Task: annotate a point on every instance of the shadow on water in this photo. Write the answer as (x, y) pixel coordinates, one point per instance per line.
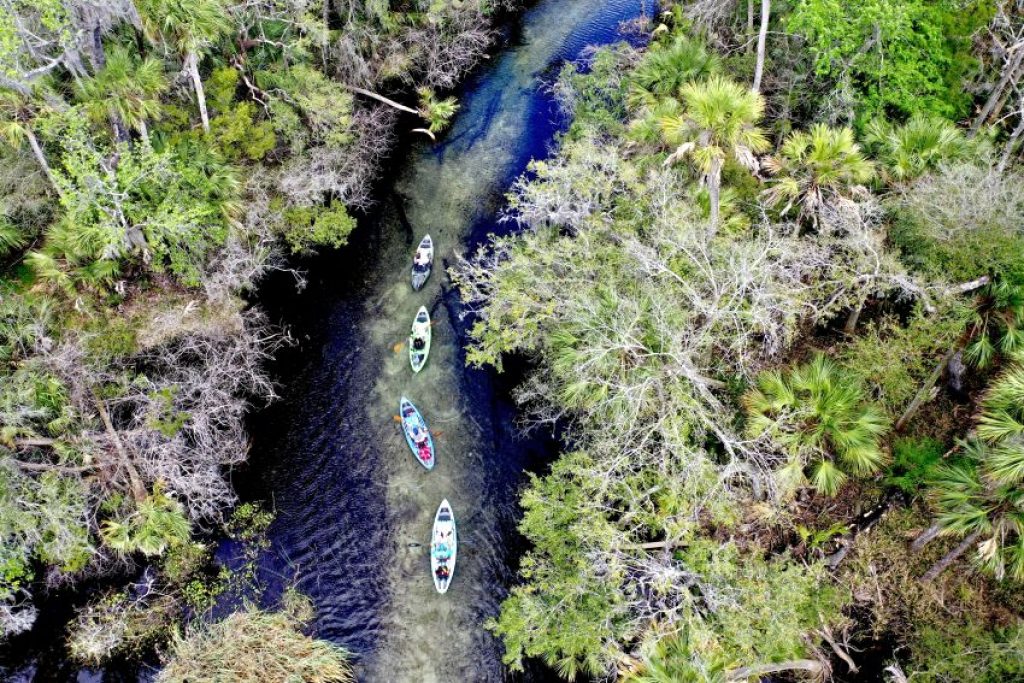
(353, 507)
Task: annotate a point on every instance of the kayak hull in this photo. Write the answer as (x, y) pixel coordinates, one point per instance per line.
(444, 547)
(420, 330)
(421, 274)
(413, 424)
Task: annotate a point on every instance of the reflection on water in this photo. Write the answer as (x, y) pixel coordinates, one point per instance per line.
(354, 507)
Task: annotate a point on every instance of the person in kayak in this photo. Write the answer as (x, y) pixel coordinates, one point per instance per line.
(418, 344)
(442, 553)
(443, 573)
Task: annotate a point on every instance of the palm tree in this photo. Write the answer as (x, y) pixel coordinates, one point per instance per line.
(17, 114)
(1003, 408)
(985, 513)
(666, 68)
(437, 113)
(126, 92)
(718, 122)
(918, 146)
(997, 319)
(819, 417)
(673, 660)
(814, 169)
(158, 522)
(190, 27)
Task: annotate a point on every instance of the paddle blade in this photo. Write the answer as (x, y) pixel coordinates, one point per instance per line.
(396, 418)
(397, 348)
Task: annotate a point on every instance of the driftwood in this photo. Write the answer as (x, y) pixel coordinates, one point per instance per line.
(925, 391)
(950, 557)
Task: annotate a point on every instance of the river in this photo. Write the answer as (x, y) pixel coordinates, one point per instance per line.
(354, 509)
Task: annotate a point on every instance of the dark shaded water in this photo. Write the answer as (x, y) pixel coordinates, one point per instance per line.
(353, 507)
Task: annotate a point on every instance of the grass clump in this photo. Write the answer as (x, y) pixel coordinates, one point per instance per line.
(257, 645)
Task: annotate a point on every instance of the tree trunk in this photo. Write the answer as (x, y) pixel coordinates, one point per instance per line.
(925, 537)
(750, 22)
(714, 192)
(138, 488)
(950, 557)
(192, 64)
(762, 36)
(746, 672)
(925, 390)
(1011, 144)
(381, 98)
(96, 54)
(144, 133)
(851, 321)
(37, 150)
(1011, 68)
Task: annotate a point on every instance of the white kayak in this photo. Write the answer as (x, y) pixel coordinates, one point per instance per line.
(444, 547)
(419, 339)
(422, 262)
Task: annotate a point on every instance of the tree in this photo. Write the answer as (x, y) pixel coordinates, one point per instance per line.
(667, 67)
(762, 36)
(815, 169)
(190, 27)
(820, 418)
(126, 92)
(899, 57)
(156, 523)
(982, 512)
(908, 151)
(18, 113)
(718, 123)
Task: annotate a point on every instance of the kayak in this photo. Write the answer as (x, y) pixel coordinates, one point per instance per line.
(444, 547)
(417, 435)
(419, 339)
(422, 262)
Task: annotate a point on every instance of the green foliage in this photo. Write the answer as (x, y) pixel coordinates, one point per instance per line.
(962, 222)
(815, 169)
(240, 135)
(566, 612)
(156, 523)
(996, 325)
(321, 109)
(666, 67)
(900, 57)
(914, 462)
(169, 209)
(318, 226)
(893, 358)
(674, 659)
(969, 653)
(916, 147)
(126, 91)
(819, 416)
(1003, 407)
(969, 501)
(437, 112)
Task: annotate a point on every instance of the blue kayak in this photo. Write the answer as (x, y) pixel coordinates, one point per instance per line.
(417, 434)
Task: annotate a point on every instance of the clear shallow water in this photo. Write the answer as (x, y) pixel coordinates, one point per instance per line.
(354, 509)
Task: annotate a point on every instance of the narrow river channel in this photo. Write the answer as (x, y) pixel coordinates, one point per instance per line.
(354, 509)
